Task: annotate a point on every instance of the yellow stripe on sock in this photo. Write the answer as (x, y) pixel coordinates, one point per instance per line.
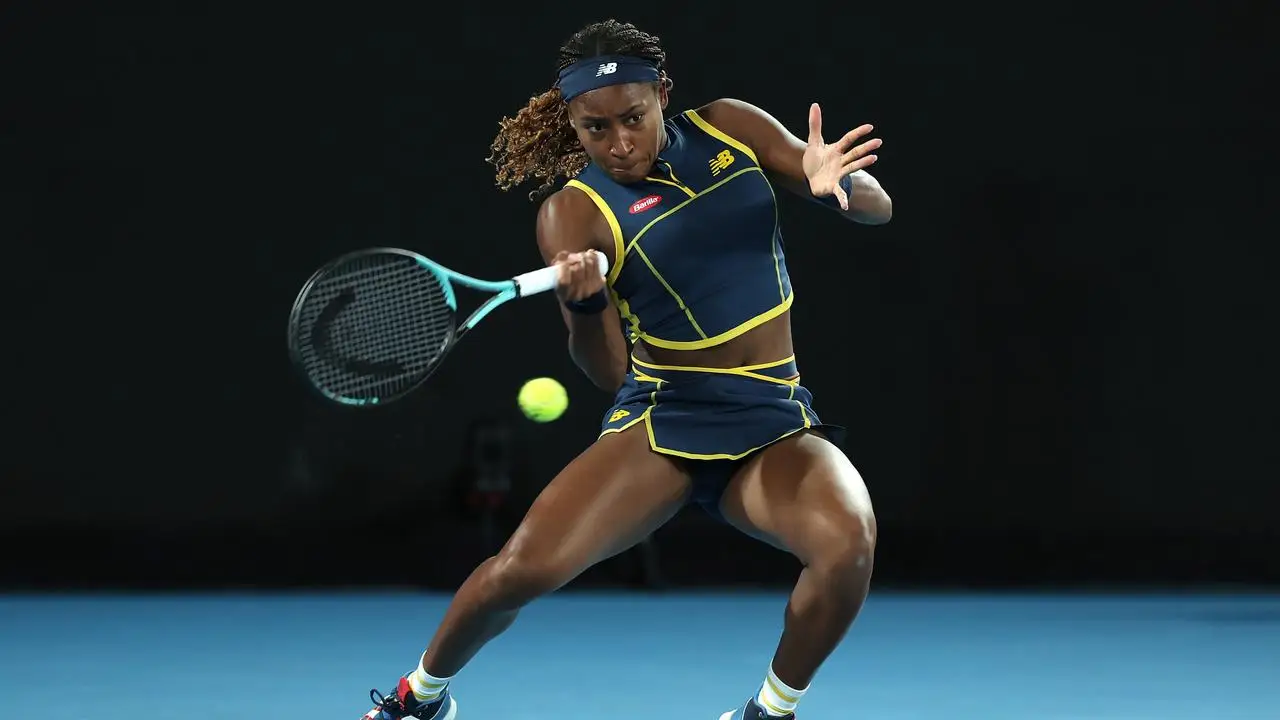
(770, 706)
(781, 693)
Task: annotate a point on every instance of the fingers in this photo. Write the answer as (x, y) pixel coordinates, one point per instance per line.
(582, 262)
(863, 149)
(578, 276)
(859, 157)
(852, 136)
(571, 262)
(861, 163)
(564, 271)
(842, 197)
(815, 125)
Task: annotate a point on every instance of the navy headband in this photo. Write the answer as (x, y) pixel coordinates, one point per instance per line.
(597, 72)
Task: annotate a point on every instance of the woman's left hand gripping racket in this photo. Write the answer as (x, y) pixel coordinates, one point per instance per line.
(371, 326)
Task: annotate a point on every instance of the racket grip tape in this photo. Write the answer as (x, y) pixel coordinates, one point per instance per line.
(540, 281)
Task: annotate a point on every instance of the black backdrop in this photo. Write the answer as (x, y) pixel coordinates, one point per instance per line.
(1055, 363)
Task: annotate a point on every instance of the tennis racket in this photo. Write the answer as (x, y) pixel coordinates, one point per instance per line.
(371, 326)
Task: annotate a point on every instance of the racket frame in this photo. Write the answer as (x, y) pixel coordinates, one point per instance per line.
(503, 291)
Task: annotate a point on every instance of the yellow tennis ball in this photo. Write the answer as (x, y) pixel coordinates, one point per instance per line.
(543, 399)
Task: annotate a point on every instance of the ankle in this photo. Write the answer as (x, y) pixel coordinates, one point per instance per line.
(777, 698)
(427, 688)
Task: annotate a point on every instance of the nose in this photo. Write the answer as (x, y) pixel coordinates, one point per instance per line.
(621, 147)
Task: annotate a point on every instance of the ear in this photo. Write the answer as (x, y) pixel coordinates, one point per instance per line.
(664, 87)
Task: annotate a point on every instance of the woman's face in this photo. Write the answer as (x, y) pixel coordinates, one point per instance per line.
(620, 127)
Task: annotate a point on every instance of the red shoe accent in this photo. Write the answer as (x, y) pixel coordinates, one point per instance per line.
(404, 691)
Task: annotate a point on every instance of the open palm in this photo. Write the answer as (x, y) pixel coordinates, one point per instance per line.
(824, 165)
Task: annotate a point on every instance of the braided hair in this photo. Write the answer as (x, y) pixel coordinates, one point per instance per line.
(538, 143)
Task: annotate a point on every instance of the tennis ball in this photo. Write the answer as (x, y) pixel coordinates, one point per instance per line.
(543, 399)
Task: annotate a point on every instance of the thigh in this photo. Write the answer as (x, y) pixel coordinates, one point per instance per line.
(801, 495)
(609, 498)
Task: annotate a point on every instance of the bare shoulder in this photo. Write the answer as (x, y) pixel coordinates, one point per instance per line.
(726, 108)
(737, 117)
(568, 221)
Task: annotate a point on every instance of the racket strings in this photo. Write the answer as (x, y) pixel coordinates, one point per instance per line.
(393, 323)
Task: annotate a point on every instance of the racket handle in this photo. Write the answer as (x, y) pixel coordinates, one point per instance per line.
(540, 281)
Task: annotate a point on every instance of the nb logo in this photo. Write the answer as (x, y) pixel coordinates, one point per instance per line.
(721, 161)
(607, 69)
(618, 415)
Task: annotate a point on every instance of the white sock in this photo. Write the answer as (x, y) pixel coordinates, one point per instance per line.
(777, 698)
(426, 687)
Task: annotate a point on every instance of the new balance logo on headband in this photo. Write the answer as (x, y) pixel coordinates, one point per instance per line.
(597, 72)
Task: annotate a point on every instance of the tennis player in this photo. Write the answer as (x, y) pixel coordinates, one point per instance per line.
(709, 407)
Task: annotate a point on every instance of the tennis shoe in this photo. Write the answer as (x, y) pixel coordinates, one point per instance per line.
(752, 711)
(403, 704)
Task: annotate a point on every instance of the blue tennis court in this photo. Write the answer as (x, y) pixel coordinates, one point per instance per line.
(987, 657)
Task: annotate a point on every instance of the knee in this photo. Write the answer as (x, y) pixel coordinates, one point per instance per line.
(514, 578)
(844, 548)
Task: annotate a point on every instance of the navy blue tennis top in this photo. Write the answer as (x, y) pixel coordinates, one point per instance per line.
(698, 249)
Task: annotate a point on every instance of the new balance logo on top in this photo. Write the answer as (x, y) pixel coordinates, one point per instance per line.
(607, 69)
(721, 161)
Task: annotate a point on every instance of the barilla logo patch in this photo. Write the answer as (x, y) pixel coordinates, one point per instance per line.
(645, 203)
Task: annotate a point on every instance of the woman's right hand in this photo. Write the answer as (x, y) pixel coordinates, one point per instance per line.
(579, 275)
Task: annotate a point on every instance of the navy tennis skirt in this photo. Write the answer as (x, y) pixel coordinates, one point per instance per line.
(714, 419)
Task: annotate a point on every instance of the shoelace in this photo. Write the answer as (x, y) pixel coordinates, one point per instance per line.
(390, 705)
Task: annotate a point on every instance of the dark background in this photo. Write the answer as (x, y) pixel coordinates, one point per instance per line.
(1056, 363)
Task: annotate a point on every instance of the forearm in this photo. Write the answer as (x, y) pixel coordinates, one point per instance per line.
(869, 204)
(599, 352)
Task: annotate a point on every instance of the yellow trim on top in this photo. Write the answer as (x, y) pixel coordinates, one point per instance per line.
(725, 336)
(633, 245)
(687, 191)
(624, 310)
(720, 135)
(674, 295)
(623, 247)
(635, 239)
(618, 244)
(773, 241)
(678, 182)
